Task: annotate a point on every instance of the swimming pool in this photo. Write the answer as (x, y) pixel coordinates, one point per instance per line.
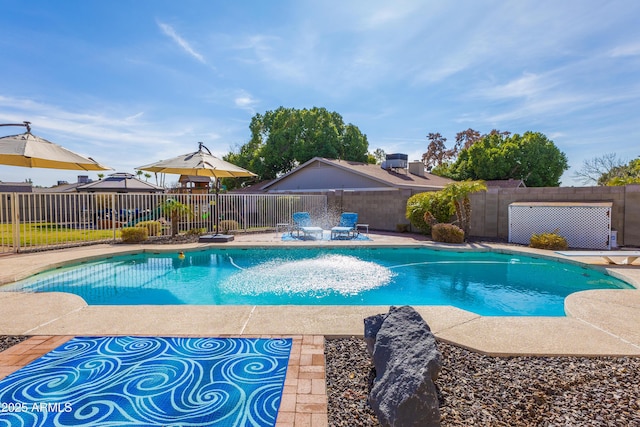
(486, 283)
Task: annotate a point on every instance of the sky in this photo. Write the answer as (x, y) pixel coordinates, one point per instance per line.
(131, 82)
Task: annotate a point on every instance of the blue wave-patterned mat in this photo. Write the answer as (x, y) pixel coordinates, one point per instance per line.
(134, 381)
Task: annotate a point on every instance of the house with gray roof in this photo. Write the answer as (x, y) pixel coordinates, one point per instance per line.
(16, 187)
(321, 174)
(120, 183)
(505, 183)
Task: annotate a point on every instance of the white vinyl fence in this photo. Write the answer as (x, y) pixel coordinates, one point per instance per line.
(38, 221)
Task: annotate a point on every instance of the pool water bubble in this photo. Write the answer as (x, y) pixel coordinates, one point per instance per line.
(342, 274)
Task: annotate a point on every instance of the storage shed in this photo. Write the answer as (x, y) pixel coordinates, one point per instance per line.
(585, 225)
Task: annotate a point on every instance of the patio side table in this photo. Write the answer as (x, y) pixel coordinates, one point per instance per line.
(281, 227)
(363, 226)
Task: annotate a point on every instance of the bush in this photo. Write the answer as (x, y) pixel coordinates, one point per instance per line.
(421, 203)
(229, 224)
(552, 241)
(196, 232)
(154, 228)
(134, 234)
(447, 233)
(402, 228)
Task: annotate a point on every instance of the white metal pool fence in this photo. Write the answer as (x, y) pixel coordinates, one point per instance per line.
(37, 221)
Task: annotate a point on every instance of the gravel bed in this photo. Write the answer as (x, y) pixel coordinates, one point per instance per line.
(497, 391)
(7, 341)
(490, 391)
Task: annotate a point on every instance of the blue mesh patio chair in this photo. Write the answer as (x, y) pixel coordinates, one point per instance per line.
(347, 227)
(302, 224)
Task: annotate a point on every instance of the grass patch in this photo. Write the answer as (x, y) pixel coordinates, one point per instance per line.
(39, 234)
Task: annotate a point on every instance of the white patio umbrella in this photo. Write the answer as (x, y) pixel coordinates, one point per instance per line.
(200, 163)
(31, 151)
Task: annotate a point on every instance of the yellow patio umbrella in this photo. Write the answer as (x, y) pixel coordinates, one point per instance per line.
(201, 163)
(31, 151)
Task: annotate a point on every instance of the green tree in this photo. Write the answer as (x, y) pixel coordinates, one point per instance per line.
(354, 143)
(438, 157)
(378, 156)
(622, 175)
(287, 137)
(425, 209)
(531, 157)
(175, 211)
(458, 195)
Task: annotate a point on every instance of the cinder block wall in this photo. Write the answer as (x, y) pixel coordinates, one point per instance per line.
(385, 210)
(490, 217)
(382, 210)
(631, 215)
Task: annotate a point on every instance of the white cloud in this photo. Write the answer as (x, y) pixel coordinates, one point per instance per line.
(632, 49)
(169, 31)
(281, 59)
(134, 117)
(389, 13)
(439, 72)
(533, 110)
(245, 101)
(529, 85)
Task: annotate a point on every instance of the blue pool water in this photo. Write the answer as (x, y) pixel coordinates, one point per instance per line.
(485, 283)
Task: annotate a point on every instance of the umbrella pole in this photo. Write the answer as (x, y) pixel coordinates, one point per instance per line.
(217, 206)
(217, 237)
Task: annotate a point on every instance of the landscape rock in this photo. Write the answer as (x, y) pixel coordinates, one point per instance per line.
(371, 327)
(407, 362)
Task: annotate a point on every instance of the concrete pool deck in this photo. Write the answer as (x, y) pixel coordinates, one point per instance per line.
(598, 323)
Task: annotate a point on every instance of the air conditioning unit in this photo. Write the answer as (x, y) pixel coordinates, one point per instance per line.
(395, 161)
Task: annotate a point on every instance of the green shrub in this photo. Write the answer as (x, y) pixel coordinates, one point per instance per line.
(196, 232)
(447, 233)
(421, 203)
(134, 234)
(402, 228)
(553, 241)
(229, 224)
(154, 228)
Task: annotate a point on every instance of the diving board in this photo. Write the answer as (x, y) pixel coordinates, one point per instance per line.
(629, 256)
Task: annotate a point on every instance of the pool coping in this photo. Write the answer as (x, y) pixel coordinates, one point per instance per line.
(598, 323)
